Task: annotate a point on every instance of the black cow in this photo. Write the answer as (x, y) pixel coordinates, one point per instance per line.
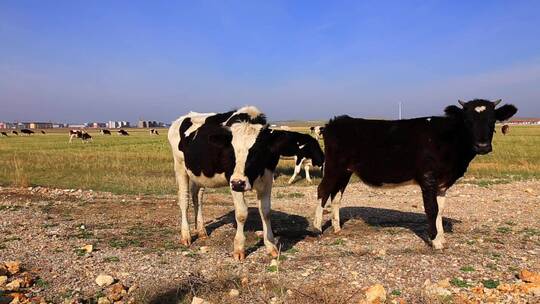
(105, 132)
(85, 137)
(433, 152)
(43, 132)
(235, 148)
(305, 149)
(27, 131)
(74, 134)
(4, 134)
(122, 132)
(15, 132)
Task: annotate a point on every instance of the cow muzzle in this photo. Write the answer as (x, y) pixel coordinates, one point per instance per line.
(239, 185)
(482, 148)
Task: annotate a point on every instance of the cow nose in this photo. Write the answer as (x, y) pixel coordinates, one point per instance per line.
(482, 148)
(238, 185)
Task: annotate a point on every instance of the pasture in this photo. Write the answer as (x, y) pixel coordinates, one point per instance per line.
(142, 164)
(131, 220)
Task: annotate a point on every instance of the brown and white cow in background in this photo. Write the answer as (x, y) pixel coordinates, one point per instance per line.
(433, 152)
(235, 148)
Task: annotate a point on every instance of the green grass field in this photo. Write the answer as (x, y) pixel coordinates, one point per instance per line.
(142, 164)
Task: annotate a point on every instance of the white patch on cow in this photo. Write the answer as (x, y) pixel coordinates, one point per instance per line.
(244, 135)
(302, 146)
(218, 180)
(438, 241)
(480, 109)
(252, 111)
(428, 119)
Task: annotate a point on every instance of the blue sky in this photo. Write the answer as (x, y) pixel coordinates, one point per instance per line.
(100, 60)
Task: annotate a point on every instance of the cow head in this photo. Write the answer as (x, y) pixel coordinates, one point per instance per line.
(245, 126)
(312, 150)
(479, 117)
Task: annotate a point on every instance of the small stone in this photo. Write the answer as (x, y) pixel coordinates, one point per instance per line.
(3, 280)
(14, 285)
(116, 292)
(529, 276)
(88, 248)
(244, 281)
(104, 280)
(375, 293)
(197, 300)
(529, 190)
(13, 266)
(103, 300)
(234, 293)
(274, 262)
(204, 249)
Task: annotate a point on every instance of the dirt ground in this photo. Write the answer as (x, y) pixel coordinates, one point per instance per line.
(492, 233)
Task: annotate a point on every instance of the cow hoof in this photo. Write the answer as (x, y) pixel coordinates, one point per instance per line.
(337, 230)
(274, 253)
(202, 234)
(186, 242)
(437, 244)
(239, 256)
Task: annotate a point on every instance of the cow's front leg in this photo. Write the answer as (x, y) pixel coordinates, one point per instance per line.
(264, 194)
(183, 201)
(241, 213)
(434, 215)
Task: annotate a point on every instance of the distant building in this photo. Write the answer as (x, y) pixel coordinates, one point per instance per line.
(149, 124)
(40, 125)
(7, 125)
(118, 124)
(59, 125)
(96, 125)
(76, 126)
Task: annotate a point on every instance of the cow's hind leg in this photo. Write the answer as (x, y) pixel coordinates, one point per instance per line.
(434, 207)
(183, 200)
(297, 168)
(333, 182)
(197, 194)
(306, 168)
(264, 195)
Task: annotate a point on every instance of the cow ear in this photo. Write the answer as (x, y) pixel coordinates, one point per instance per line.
(220, 140)
(453, 111)
(505, 112)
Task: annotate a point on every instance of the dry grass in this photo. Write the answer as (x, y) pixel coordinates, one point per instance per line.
(142, 164)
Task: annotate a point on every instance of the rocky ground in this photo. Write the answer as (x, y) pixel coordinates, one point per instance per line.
(86, 247)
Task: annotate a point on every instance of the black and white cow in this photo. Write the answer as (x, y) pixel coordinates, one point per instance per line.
(4, 134)
(105, 132)
(43, 132)
(154, 132)
(235, 148)
(85, 137)
(74, 134)
(306, 151)
(317, 131)
(432, 152)
(27, 132)
(122, 132)
(15, 132)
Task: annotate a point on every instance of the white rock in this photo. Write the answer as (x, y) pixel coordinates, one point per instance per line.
(204, 249)
(234, 293)
(104, 280)
(197, 300)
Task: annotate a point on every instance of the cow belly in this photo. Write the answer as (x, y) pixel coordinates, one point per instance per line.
(217, 180)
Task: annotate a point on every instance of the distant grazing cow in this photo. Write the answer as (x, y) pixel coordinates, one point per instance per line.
(74, 134)
(27, 131)
(4, 134)
(317, 131)
(43, 132)
(85, 137)
(105, 132)
(122, 132)
(505, 129)
(154, 132)
(305, 149)
(15, 132)
(432, 152)
(235, 148)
